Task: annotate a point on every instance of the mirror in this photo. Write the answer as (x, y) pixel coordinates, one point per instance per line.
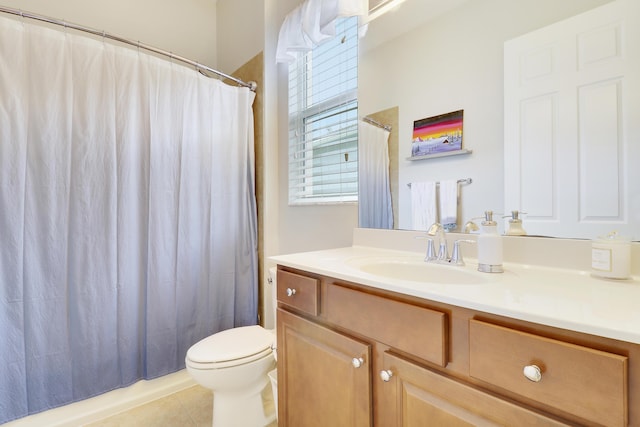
(431, 57)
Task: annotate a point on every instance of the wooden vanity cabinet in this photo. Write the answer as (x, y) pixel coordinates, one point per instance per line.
(358, 356)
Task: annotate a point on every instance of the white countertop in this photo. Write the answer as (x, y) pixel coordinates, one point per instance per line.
(562, 298)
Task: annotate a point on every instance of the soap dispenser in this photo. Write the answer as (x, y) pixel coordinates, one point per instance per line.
(489, 246)
(515, 225)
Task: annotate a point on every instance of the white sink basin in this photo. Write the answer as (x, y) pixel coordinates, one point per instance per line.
(416, 270)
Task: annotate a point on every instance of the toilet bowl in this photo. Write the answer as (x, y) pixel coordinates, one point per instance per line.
(234, 364)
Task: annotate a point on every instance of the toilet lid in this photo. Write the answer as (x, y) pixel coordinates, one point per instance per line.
(232, 344)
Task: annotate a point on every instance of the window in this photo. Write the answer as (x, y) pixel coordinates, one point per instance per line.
(323, 120)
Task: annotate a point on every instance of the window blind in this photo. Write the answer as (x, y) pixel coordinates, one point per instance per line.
(323, 120)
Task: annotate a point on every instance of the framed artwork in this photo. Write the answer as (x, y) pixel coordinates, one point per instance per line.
(438, 134)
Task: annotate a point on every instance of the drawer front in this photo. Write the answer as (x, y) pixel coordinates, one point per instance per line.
(409, 328)
(298, 292)
(581, 381)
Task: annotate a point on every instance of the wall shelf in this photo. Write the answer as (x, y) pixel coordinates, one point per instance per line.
(436, 155)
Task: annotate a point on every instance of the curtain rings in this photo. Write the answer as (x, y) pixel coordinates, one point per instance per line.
(200, 69)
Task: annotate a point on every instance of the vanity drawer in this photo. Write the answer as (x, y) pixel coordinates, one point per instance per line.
(584, 382)
(298, 292)
(409, 328)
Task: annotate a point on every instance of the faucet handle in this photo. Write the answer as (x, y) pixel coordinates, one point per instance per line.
(456, 255)
(431, 251)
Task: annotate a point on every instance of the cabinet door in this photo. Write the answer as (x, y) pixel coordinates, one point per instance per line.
(319, 382)
(412, 396)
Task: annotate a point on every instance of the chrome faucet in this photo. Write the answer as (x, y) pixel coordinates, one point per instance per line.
(456, 255)
(437, 230)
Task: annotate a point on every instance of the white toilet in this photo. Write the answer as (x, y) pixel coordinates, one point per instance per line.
(234, 364)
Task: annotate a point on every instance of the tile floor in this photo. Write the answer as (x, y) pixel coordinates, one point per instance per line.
(191, 407)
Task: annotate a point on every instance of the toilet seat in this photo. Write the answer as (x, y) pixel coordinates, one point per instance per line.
(231, 347)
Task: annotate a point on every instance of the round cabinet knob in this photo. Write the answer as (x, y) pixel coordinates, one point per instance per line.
(386, 375)
(357, 362)
(291, 292)
(532, 373)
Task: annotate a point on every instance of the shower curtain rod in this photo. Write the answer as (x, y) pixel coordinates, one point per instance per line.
(199, 67)
(376, 123)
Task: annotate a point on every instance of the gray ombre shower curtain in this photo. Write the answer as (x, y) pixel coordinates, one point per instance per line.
(127, 215)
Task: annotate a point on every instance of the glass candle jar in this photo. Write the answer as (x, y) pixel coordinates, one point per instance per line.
(611, 256)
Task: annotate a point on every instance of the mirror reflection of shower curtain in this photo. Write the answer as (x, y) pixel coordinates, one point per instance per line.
(374, 193)
(127, 215)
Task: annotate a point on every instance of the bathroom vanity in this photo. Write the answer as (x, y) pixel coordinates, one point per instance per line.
(533, 346)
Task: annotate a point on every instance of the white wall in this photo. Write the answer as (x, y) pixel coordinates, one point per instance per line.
(453, 63)
(241, 28)
(245, 28)
(186, 28)
(304, 228)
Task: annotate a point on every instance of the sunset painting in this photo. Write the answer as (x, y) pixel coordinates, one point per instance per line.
(437, 134)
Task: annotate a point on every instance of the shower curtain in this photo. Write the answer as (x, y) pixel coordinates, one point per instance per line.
(374, 191)
(127, 215)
